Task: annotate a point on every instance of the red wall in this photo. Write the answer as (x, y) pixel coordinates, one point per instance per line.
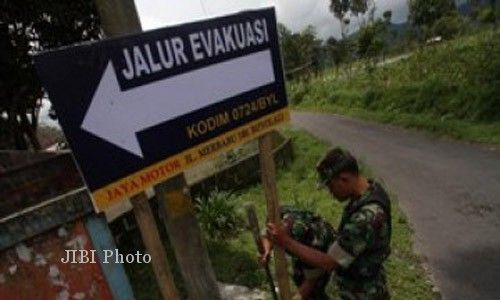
(25, 272)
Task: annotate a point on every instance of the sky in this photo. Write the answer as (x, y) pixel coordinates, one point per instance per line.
(295, 14)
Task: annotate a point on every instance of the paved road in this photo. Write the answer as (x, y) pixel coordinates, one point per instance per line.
(449, 190)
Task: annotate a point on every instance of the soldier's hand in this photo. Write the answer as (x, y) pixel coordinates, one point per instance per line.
(278, 235)
(264, 257)
(265, 251)
(297, 296)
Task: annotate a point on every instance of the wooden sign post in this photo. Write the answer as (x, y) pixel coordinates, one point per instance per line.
(119, 17)
(268, 175)
(150, 236)
(185, 237)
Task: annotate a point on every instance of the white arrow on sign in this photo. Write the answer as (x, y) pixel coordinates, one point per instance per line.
(117, 116)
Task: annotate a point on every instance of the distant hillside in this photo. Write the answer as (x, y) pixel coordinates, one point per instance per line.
(397, 31)
(452, 87)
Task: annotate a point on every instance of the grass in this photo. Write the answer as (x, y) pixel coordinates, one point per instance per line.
(234, 259)
(450, 89)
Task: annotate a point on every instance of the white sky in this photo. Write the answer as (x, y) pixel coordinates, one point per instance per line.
(295, 14)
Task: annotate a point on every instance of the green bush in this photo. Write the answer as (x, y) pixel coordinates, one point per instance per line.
(447, 26)
(371, 97)
(298, 92)
(487, 15)
(218, 215)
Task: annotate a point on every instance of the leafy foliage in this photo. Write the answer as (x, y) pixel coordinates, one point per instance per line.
(448, 26)
(218, 215)
(26, 28)
(339, 9)
(425, 13)
(339, 51)
(299, 50)
(371, 39)
(487, 15)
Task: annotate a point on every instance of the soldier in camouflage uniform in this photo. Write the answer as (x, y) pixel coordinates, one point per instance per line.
(308, 229)
(363, 244)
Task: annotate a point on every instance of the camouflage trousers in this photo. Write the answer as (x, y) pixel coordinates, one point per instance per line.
(349, 289)
(319, 290)
(364, 289)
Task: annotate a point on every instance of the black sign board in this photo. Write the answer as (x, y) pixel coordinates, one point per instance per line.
(139, 109)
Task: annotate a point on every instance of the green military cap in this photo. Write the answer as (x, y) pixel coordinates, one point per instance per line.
(335, 161)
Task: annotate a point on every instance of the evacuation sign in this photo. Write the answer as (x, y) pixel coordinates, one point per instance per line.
(142, 108)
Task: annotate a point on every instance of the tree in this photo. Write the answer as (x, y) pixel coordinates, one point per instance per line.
(371, 40)
(493, 7)
(475, 7)
(337, 50)
(425, 13)
(358, 8)
(366, 37)
(487, 16)
(447, 26)
(300, 50)
(339, 9)
(484, 15)
(387, 16)
(26, 28)
(363, 10)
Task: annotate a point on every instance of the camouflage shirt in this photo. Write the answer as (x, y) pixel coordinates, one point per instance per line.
(311, 230)
(363, 246)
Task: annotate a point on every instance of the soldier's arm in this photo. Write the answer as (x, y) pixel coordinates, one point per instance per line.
(310, 256)
(265, 250)
(356, 235)
(267, 244)
(306, 288)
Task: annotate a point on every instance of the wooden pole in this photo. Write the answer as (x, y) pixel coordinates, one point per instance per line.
(268, 175)
(119, 17)
(150, 236)
(185, 237)
(253, 223)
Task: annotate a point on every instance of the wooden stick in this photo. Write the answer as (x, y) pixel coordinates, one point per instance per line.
(185, 237)
(268, 175)
(118, 17)
(152, 241)
(253, 224)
